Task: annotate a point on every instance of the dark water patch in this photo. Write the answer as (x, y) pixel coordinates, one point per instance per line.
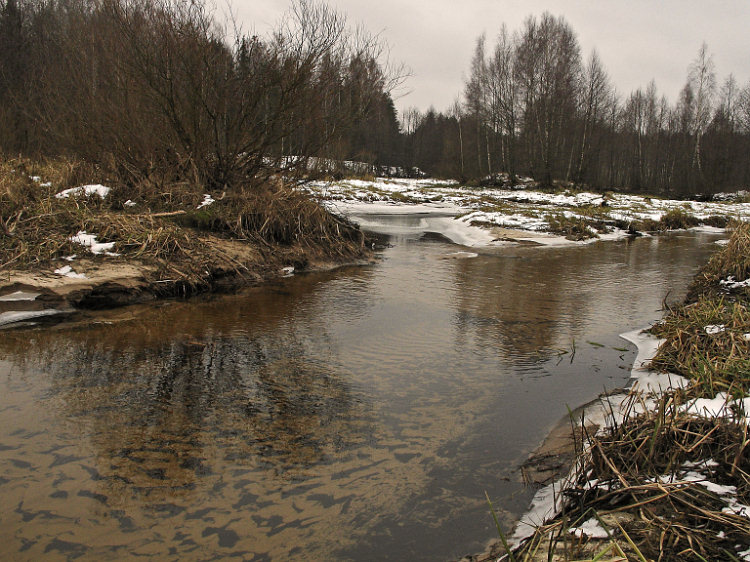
(126, 523)
(245, 500)
(21, 464)
(101, 498)
(227, 537)
(405, 457)
(155, 473)
(200, 514)
(197, 465)
(26, 544)
(167, 509)
(71, 550)
(64, 459)
(43, 514)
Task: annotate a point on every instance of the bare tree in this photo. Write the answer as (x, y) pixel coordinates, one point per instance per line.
(548, 68)
(702, 80)
(596, 90)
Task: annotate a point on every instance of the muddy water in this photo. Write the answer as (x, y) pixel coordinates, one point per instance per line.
(359, 414)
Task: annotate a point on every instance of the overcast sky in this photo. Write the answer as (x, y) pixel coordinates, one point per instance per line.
(637, 40)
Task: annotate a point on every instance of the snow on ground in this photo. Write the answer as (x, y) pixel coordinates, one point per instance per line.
(591, 528)
(89, 241)
(87, 190)
(420, 219)
(207, 200)
(67, 271)
(525, 210)
(731, 283)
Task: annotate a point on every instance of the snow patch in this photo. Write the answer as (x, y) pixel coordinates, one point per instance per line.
(67, 271)
(718, 407)
(713, 329)
(730, 283)
(87, 190)
(207, 200)
(96, 248)
(591, 529)
(459, 256)
(644, 379)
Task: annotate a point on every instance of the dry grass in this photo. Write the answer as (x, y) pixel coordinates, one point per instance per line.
(636, 480)
(574, 228)
(706, 338)
(164, 228)
(733, 260)
(716, 362)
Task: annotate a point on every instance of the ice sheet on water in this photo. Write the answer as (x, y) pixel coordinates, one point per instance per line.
(13, 317)
(19, 296)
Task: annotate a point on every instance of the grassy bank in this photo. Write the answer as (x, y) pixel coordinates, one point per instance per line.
(669, 477)
(182, 238)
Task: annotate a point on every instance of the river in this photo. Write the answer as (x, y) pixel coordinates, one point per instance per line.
(357, 414)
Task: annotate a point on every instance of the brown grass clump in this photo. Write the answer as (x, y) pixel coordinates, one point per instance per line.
(706, 342)
(282, 216)
(708, 338)
(733, 260)
(643, 481)
(674, 219)
(36, 226)
(162, 224)
(573, 228)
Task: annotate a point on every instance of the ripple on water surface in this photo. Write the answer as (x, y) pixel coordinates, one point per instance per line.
(355, 414)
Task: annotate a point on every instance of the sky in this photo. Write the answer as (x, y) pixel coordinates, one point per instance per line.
(637, 40)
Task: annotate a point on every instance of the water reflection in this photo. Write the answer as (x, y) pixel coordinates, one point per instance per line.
(532, 301)
(357, 414)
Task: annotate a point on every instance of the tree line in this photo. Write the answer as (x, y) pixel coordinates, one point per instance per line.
(533, 106)
(162, 89)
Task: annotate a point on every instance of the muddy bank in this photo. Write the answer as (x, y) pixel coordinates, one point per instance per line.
(103, 282)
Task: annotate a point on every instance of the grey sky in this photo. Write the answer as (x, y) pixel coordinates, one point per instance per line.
(637, 40)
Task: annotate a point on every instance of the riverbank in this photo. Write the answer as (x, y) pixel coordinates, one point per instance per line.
(477, 216)
(667, 474)
(73, 244)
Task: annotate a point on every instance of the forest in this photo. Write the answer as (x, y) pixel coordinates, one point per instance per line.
(533, 106)
(165, 89)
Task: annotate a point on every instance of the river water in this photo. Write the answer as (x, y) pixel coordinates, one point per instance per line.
(358, 414)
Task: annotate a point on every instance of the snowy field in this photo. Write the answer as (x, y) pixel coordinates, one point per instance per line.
(476, 213)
